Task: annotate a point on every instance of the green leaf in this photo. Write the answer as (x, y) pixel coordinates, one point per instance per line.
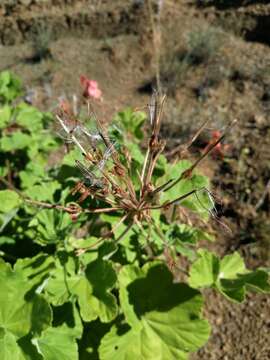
(204, 271)
(9, 349)
(101, 275)
(51, 226)
(91, 288)
(231, 266)
(164, 317)
(33, 174)
(229, 275)
(160, 167)
(18, 312)
(6, 218)
(42, 143)
(131, 122)
(5, 114)
(88, 346)
(9, 200)
(16, 141)
(62, 282)
(68, 315)
(74, 154)
(185, 234)
(257, 281)
(44, 191)
(29, 117)
(3, 171)
(35, 270)
(135, 152)
(57, 343)
(29, 351)
(6, 240)
(10, 86)
(41, 316)
(199, 202)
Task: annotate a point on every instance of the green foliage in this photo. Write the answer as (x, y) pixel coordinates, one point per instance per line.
(203, 44)
(228, 275)
(152, 305)
(67, 293)
(10, 87)
(42, 37)
(129, 122)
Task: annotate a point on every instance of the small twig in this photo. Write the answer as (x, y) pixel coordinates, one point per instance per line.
(262, 198)
(103, 210)
(120, 237)
(187, 173)
(83, 250)
(9, 174)
(167, 204)
(46, 205)
(155, 146)
(190, 142)
(156, 30)
(73, 137)
(11, 187)
(50, 206)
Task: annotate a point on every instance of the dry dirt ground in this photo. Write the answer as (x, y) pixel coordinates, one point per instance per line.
(112, 42)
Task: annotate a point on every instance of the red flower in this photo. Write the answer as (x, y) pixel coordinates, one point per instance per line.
(90, 88)
(220, 149)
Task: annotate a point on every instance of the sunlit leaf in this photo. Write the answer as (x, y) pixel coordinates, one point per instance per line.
(29, 117)
(5, 114)
(9, 348)
(9, 200)
(20, 313)
(51, 226)
(16, 141)
(91, 288)
(163, 317)
(229, 275)
(44, 191)
(57, 343)
(10, 86)
(199, 202)
(204, 271)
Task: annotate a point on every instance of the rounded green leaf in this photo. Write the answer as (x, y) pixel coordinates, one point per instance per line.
(164, 318)
(10, 86)
(228, 275)
(15, 141)
(204, 271)
(9, 349)
(15, 311)
(91, 288)
(231, 266)
(21, 310)
(29, 118)
(9, 200)
(57, 343)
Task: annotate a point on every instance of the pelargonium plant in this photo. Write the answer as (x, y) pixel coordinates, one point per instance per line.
(120, 268)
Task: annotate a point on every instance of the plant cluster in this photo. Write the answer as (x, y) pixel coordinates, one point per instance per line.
(90, 254)
(41, 37)
(201, 46)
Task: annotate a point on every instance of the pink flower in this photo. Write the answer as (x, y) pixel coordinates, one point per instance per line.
(90, 88)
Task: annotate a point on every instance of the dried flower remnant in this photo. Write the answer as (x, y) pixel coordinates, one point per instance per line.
(106, 171)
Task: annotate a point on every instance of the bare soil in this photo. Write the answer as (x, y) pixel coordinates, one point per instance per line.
(111, 42)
